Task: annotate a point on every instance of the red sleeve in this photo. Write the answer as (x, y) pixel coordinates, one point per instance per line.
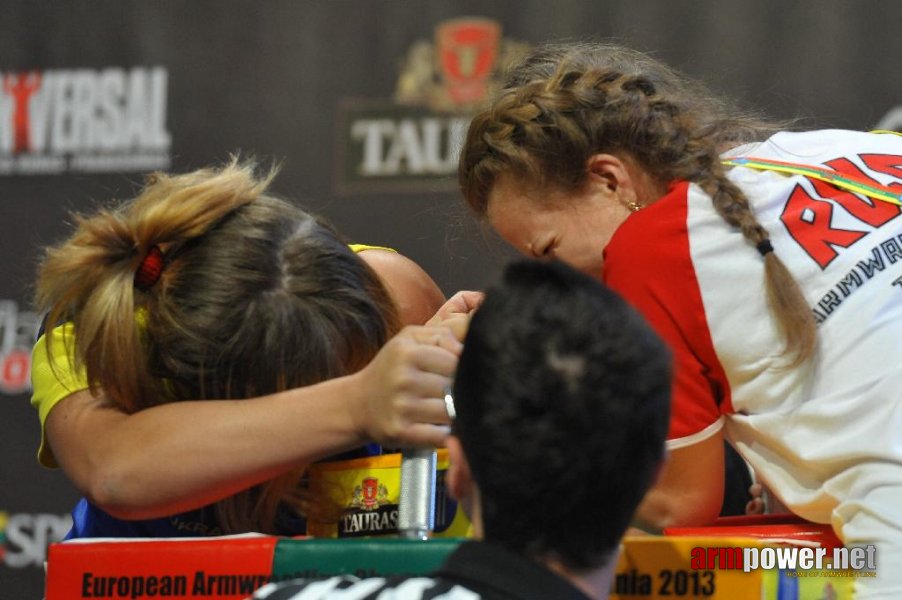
(648, 262)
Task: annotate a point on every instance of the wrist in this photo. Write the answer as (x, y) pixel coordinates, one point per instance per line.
(352, 393)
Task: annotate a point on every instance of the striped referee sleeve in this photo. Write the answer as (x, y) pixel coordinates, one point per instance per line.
(351, 588)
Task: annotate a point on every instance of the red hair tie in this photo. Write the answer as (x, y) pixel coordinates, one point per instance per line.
(149, 270)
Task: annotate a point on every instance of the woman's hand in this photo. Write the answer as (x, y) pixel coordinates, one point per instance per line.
(455, 314)
(401, 401)
(182, 455)
(461, 303)
(756, 506)
(403, 388)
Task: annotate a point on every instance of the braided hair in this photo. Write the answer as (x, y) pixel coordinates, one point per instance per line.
(566, 102)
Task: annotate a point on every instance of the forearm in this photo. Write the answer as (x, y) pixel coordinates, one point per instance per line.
(689, 489)
(183, 455)
(665, 508)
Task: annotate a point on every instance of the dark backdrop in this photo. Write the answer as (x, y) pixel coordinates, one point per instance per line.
(114, 88)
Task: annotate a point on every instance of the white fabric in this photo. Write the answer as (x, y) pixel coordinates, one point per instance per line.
(827, 438)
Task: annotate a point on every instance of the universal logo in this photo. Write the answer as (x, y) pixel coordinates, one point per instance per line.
(411, 144)
(83, 120)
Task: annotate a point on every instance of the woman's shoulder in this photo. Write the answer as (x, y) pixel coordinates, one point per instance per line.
(818, 146)
(414, 292)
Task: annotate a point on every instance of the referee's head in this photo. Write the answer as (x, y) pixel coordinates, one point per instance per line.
(562, 400)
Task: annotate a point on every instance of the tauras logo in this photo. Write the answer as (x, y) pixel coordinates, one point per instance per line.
(357, 523)
(369, 512)
(59, 120)
(411, 143)
(408, 145)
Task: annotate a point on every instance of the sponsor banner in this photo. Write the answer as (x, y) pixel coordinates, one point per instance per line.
(672, 566)
(18, 329)
(232, 567)
(225, 568)
(390, 148)
(660, 567)
(24, 538)
(411, 143)
(373, 557)
(83, 121)
(365, 492)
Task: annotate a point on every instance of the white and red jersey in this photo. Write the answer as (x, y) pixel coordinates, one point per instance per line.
(822, 434)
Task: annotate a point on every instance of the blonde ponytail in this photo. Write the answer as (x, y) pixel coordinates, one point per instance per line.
(88, 280)
(256, 296)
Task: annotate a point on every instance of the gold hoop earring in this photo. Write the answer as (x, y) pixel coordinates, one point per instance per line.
(633, 206)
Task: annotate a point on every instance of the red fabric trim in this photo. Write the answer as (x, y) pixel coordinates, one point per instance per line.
(648, 262)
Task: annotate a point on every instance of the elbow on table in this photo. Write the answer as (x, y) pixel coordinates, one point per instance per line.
(111, 490)
(662, 509)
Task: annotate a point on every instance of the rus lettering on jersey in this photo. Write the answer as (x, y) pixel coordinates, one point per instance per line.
(423, 146)
(811, 218)
(75, 111)
(810, 222)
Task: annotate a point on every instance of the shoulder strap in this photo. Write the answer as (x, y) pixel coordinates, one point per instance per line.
(835, 178)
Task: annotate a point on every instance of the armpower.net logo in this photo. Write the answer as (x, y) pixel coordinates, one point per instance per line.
(854, 561)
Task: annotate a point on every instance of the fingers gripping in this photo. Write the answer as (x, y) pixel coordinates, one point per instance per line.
(417, 369)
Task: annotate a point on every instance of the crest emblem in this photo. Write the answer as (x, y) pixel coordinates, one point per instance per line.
(467, 51)
(369, 495)
(460, 68)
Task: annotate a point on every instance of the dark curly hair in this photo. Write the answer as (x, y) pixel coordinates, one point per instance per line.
(562, 397)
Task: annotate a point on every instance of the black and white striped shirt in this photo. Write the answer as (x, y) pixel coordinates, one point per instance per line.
(348, 587)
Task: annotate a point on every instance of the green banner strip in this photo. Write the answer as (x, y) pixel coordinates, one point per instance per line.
(309, 558)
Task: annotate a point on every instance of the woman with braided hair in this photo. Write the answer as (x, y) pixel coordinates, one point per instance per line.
(206, 341)
(771, 261)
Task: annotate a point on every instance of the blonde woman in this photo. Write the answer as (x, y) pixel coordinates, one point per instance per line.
(206, 341)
